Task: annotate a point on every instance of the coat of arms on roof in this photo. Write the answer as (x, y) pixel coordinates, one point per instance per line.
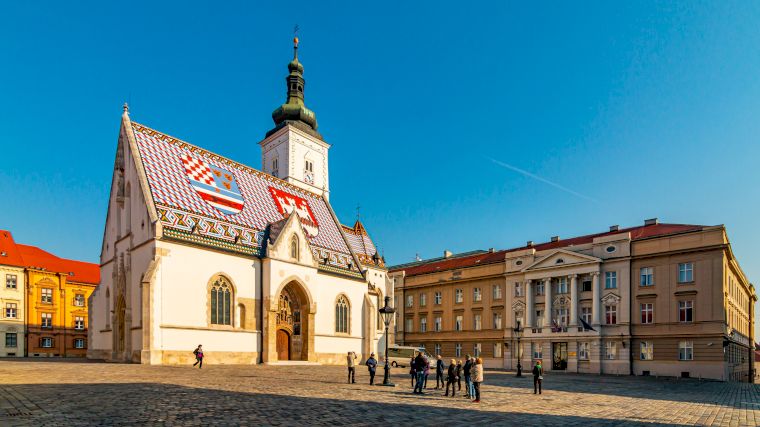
(288, 203)
(215, 185)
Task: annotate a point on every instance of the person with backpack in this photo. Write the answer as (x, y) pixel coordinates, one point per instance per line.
(198, 352)
(439, 372)
(538, 377)
(372, 366)
(476, 376)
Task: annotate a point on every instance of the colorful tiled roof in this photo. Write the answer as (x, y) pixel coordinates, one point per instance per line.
(33, 257)
(182, 194)
(362, 244)
(637, 233)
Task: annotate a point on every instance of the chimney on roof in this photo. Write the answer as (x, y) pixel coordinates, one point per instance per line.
(447, 253)
(651, 221)
(614, 228)
(555, 238)
(529, 244)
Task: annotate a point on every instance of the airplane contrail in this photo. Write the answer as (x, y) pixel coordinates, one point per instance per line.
(544, 180)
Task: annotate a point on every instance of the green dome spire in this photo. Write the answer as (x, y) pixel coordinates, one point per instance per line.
(293, 111)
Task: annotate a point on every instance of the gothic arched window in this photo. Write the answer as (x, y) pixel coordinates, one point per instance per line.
(341, 315)
(221, 302)
(294, 248)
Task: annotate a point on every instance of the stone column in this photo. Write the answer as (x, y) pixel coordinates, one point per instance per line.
(573, 300)
(529, 307)
(595, 305)
(548, 303)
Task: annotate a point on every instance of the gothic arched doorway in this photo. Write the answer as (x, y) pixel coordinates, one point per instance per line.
(289, 324)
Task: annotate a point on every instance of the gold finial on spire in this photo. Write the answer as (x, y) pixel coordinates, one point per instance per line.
(126, 108)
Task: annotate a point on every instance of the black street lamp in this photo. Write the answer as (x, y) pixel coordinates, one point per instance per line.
(518, 334)
(387, 313)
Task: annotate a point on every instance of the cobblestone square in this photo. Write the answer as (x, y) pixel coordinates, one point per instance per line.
(72, 393)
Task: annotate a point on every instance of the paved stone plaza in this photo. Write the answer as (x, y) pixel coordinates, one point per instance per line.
(70, 393)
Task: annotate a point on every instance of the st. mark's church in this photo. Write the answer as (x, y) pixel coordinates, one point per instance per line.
(254, 265)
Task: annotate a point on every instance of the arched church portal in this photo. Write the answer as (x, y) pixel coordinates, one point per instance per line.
(290, 325)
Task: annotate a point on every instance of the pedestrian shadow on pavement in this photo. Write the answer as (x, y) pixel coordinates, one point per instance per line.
(155, 403)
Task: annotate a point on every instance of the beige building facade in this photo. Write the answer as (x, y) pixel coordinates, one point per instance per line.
(658, 299)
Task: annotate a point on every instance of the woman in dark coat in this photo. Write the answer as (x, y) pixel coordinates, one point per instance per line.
(452, 379)
(459, 374)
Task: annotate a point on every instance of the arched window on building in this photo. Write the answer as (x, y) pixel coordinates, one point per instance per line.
(221, 301)
(108, 307)
(294, 247)
(341, 315)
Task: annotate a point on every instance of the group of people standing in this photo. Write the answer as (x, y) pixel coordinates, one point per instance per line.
(472, 370)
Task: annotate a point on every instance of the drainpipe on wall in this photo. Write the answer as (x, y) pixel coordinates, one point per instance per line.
(260, 316)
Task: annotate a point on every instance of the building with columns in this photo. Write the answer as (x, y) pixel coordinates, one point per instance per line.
(656, 299)
(252, 264)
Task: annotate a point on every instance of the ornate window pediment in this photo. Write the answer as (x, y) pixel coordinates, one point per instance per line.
(561, 301)
(518, 306)
(611, 299)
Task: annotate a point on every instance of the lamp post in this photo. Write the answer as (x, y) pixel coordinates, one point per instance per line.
(387, 313)
(518, 334)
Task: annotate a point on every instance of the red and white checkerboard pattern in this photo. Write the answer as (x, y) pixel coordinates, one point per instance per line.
(198, 170)
(163, 158)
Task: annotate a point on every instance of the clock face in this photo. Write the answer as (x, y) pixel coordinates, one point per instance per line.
(309, 178)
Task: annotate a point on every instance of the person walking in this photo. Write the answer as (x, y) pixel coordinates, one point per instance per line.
(439, 372)
(467, 378)
(372, 366)
(538, 377)
(351, 363)
(459, 374)
(198, 352)
(477, 378)
(419, 365)
(452, 378)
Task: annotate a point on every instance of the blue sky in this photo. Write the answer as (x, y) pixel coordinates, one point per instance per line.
(449, 125)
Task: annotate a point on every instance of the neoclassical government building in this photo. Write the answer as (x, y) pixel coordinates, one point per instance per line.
(254, 265)
(654, 299)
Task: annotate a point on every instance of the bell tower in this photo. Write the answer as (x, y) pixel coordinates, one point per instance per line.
(293, 150)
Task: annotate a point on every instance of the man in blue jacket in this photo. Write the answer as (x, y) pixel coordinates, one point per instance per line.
(372, 366)
(439, 372)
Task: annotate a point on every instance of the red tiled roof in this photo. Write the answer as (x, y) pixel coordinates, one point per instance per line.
(9, 254)
(637, 233)
(34, 257)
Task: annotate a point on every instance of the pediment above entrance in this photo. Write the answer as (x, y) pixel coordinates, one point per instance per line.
(562, 258)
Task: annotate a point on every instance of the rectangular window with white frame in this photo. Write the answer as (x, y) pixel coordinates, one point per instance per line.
(458, 296)
(79, 323)
(583, 351)
(562, 285)
(423, 324)
(410, 300)
(11, 281)
(536, 350)
(560, 316)
(477, 322)
(647, 350)
(458, 323)
(46, 320)
(79, 343)
(477, 295)
(586, 314)
(79, 300)
(46, 342)
(46, 296)
(539, 319)
(685, 350)
(685, 311)
(497, 349)
(647, 313)
(610, 314)
(610, 350)
(438, 298)
(518, 289)
(497, 321)
(477, 349)
(539, 288)
(409, 325)
(496, 291)
(519, 318)
(610, 280)
(646, 276)
(437, 349)
(438, 324)
(458, 350)
(11, 310)
(686, 272)
(423, 300)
